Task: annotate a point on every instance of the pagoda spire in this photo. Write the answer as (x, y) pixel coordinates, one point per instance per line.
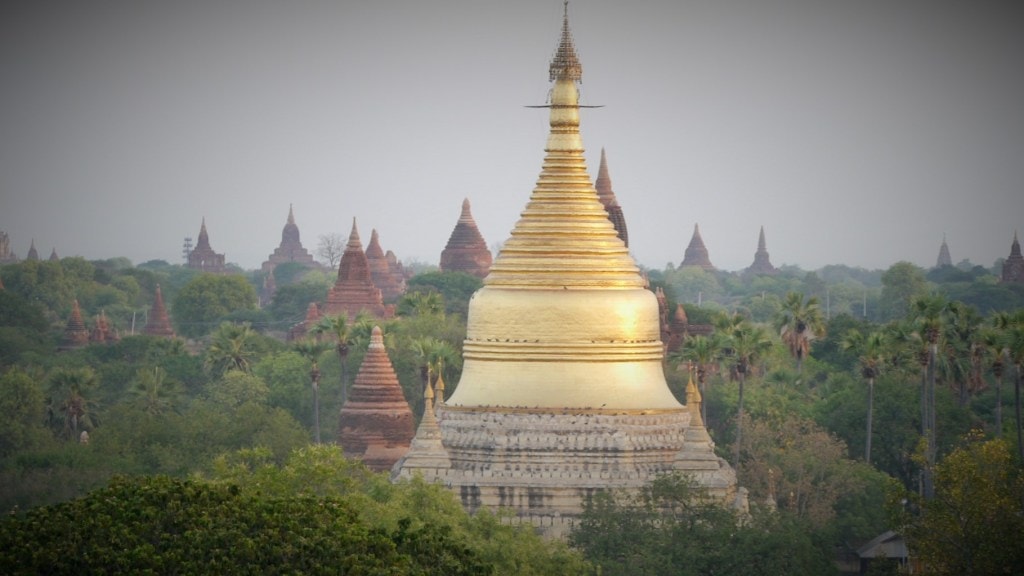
(610, 202)
(354, 290)
(566, 65)
(33, 254)
(76, 335)
(158, 323)
(762, 264)
(696, 253)
(466, 250)
(291, 216)
(564, 239)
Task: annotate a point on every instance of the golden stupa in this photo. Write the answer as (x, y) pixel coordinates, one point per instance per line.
(563, 389)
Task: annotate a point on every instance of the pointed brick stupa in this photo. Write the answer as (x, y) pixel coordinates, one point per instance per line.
(158, 323)
(101, 332)
(1013, 267)
(603, 184)
(376, 422)
(290, 249)
(391, 286)
(53, 255)
(6, 256)
(944, 258)
(396, 267)
(762, 264)
(696, 254)
(202, 257)
(466, 250)
(354, 290)
(76, 335)
(33, 254)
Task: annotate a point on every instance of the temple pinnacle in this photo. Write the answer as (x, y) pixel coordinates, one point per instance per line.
(566, 65)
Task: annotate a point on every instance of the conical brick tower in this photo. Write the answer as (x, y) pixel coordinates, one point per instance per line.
(944, 258)
(391, 287)
(76, 335)
(290, 249)
(696, 253)
(158, 323)
(603, 184)
(354, 290)
(466, 250)
(1013, 267)
(762, 264)
(376, 422)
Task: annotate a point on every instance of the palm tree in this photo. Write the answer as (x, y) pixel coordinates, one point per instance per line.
(994, 340)
(1015, 352)
(421, 304)
(704, 352)
(800, 322)
(69, 388)
(339, 328)
(232, 348)
(869, 350)
(930, 314)
(748, 343)
(152, 392)
(311, 349)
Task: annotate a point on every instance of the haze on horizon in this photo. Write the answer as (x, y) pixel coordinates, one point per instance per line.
(856, 133)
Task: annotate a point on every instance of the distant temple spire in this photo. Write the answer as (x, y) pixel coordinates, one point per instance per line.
(466, 250)
(1013, 267)
(696, 253)
(33, 254)
(202, 257)
(53, 255)
(603, 184)
(391, 285)
(290, 249)
(354, 290)
(762, 264)
(944, 258)
(158, 323)
(76, 335)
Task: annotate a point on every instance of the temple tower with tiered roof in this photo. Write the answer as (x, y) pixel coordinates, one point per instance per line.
(391, 285)
(466, 250)
(376, 423)
(202, 257)
(944, 258)
(158, 323)
(696, 253)
(603, 184)
(562, 390)
(354, 291)
(290, 249)
(1013, 266)
(762, 263)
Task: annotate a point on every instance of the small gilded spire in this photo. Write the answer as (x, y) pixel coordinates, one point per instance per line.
(439, 385)
(566, 65)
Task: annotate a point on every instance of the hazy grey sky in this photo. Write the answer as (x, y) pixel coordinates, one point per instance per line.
(857, 132)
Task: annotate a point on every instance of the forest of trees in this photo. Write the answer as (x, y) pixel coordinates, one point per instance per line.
(850, 402)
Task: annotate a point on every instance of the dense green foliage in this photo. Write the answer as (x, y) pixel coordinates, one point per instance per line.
(230, 402)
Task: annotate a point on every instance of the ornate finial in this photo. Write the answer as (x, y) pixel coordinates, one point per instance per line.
(466, 216)
(761, 246)
(353, 236)
(566, 65)
(291, 216)
(377, 338)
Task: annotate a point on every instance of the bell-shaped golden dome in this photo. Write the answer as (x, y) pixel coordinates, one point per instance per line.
(564, 319)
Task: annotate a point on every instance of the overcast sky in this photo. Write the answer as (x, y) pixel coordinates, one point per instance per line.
(856, 132)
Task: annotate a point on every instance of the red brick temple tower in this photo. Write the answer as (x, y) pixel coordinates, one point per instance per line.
(944, 258)
(603, 184)
(376, 422)
(158, 323)
(391, 286)
(762, 264)
(696, 254)
(202, 257)
(33, 254)
(76, 335)
(354, 290)
(1013, 267)
(466, 250)
(290, 249)
(300, 330)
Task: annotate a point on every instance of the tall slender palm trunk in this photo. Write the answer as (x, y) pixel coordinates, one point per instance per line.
(871, 410)
(739, 427)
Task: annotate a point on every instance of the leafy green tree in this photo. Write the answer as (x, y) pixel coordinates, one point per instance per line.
(24, 329)
(974, 522)
(748, 343)
(456, 288)
(201, 304)
(672, 527)
(23, 405)
(705, 353)
(901, 284)
(800, 323)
